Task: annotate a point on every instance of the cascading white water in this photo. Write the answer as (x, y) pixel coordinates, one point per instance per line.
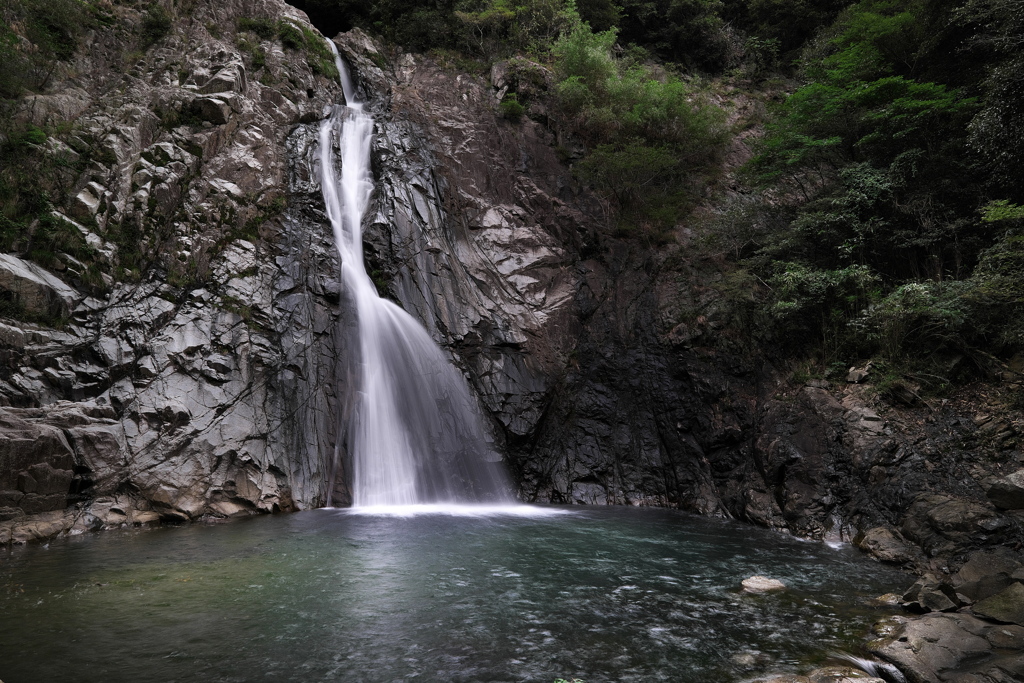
(413, 435)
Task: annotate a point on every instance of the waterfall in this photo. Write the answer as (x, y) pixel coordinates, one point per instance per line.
(413, 434)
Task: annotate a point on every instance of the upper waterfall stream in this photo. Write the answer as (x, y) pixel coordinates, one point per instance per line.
(413, 435)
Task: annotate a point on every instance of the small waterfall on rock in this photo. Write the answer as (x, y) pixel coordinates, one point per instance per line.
(413, 435)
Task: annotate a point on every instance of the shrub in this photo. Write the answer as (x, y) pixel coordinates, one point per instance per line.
(510, 107)
(155, 25)
(291, 35)
(264, 28)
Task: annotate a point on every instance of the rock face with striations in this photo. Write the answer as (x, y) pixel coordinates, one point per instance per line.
(204, 384)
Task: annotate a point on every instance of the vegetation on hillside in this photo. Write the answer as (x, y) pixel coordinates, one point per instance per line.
(888, 225)
(882, 215)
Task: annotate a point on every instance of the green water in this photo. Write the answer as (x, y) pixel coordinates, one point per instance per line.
(601, 594)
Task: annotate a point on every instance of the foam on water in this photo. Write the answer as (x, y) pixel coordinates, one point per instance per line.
(457, 510)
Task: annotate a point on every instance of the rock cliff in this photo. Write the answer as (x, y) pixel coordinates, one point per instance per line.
(198, 378)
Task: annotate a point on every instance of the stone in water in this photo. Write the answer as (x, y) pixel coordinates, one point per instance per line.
(762, 584)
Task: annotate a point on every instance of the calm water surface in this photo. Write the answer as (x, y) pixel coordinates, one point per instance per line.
(604, 595)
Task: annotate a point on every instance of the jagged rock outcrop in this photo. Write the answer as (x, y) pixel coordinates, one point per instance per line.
(204, 385)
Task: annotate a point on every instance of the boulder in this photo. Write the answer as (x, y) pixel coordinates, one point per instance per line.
(38, 291)
(212, 109)
(1006, 606)
(928, 648)
(886, 545)
(1008, 493)
(944, 524)
(761, 584)
(951, 647)
(986, 573)
(928, 594)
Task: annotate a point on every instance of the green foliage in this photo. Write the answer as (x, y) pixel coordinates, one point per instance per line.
(600, 14)
(318, 55)
(292, 37)
(627, 169)
(495, 27)
(264, 28)
(156, 24)
(914, 319)
(510, 107)
(52, 29)
(179, 114)
(761, 55)
(790, 23)
(692, 32)
(611, 101)
(998, 128)
(874, 169)
(1001, 210)
(254, 51)
(652, 138)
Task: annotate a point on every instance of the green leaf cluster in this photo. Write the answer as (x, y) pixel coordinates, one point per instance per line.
(884, 165)
(650, 137)
(47, 32)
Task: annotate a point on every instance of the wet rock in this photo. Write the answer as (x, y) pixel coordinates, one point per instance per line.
(930, 594)
(841, 674)
(761, 584)
(952, 647)
(178, 393)
(886, 545)
(987, 573)
(1006, 606)
(943, 524)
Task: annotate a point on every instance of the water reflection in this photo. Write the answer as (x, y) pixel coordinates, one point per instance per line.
(601, 594)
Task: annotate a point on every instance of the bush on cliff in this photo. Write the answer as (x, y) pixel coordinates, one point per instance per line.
(886, 162)
(652, 137)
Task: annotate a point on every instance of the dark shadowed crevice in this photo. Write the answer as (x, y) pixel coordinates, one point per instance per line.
(326, 15)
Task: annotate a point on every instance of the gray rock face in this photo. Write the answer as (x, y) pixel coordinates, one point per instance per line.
(38, 291)
(207, 385)
(987, 573)
(1006, 606)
